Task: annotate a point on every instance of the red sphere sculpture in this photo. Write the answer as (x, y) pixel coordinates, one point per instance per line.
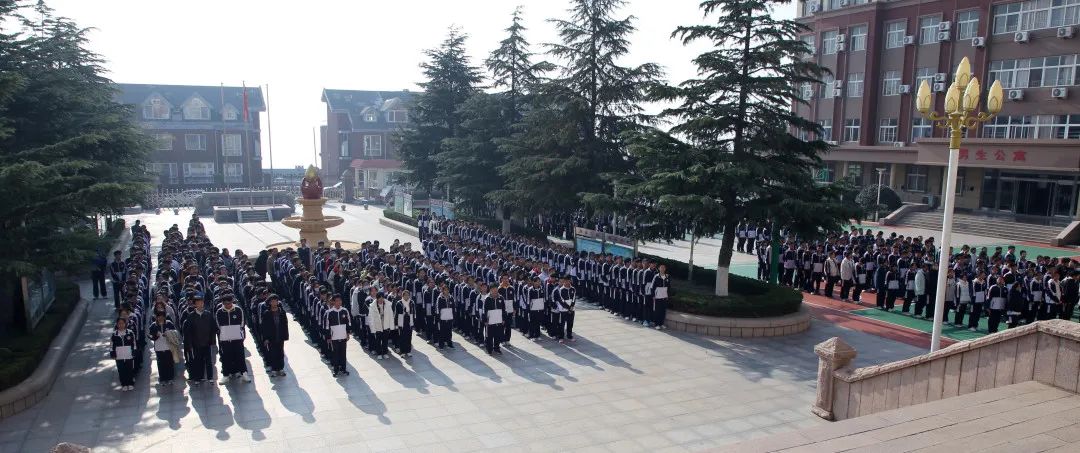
(311, 187)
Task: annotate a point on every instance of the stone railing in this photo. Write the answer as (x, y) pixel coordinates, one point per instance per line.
(739, 327)
(1047, 352)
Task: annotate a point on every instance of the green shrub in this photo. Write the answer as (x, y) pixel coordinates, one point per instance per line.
(394, 215)
(22, 352)
(867, 198)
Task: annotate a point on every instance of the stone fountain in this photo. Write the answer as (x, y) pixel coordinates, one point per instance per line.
(311, 222)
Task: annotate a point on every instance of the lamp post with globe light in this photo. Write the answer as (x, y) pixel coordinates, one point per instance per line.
(961, 113)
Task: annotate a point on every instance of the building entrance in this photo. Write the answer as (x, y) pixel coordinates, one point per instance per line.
(1030, 195)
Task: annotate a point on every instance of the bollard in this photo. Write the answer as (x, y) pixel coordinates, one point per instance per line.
(833, 354)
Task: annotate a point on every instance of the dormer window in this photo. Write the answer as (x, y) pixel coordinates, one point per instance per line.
(196, 109)
(397, 116)
(230, 113)
(369, 117)
(156, 109)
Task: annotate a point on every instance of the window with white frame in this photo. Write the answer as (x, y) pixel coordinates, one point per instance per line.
(397, 116)
(854, 173)
(826, 172)
(195, 142)
(369, 118)
(373, 145)
(854, 84)
(165, 171)
(156, 108)
(928, 29)
(851, 129)
(857, 40)
(806, 91)
(230, 145)
(827, 86)
(826, 129)
(196, 109)
(372, 178)
(234, 172)
(230, 113)
(1033, 127)
(809, 41)
(199, 172)
(1035, 15)
(164, 142)
(967, 24)
(922, 74)
(1052, 71)
(920, 128)
(961, 177)
(916, 180)
(887, 130)
(343, 140)
(890, 83)
(828, 42)
(895, 33)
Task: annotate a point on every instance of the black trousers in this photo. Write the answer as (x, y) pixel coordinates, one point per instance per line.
(166, 368)
(976, 313)
(856, 294)
(742, 244)
(337, 354)
(275, 355)
(1067, 311)
(442, 335)
(659, 311)
(199, 365)
(556, 327)
(404, 340)
(126, 369)
(845, 288)
(830, 283)
(97, 280)
(493, 337)
(920, 304)
(995, 320)
(507, 327)
(535, 316)
(787, 277)
(232, 357)
(568, 324)
(116, 286)
(961, 310)
(381, 340)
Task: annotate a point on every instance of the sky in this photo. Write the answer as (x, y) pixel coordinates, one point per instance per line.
(295, 49)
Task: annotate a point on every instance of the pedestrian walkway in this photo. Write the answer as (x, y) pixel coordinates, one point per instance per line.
(620, 387)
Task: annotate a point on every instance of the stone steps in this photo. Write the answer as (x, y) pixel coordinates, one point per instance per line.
(983, 226)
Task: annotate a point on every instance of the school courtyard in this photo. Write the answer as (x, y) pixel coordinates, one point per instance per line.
(620, 387)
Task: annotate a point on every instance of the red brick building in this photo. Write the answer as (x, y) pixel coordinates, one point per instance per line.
(202, 138)
(1024, 164)
(361, 136)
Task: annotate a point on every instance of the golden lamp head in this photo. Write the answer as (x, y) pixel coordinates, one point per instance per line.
(963, 72)
(953, 99)
(971, 95)
(922, 98)
(995, 98)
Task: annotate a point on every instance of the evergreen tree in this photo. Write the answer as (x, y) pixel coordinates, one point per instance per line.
(730, 153)
(68, 151)
(451, 80)
(512, 68)
(571, 133)
(470, 160)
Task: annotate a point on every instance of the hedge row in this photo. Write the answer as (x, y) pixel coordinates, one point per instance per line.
(394, 215)
(20, 354)
(747, 297)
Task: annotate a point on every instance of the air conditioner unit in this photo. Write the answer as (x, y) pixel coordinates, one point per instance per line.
(838, 84)
(1020, 36)
(944, 25)
(898, 144)
(978, 41)
(905, 89)
(815, 7)
(1065, 32)
(836, 92)
(839, 47)
(940, 77)
(831, 142)
(1016, 95)
(939, 87)
(843, 2)
(840, 38)
(942, 36)
(1059, 93)
(909, 40)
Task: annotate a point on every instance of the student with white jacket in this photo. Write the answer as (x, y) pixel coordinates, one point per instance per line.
(847, 276)
(380, 320)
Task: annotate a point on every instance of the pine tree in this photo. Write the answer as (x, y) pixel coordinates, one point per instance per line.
(571, 133)
(731, 153)
(451, 80)
(469, 161)
(512, 68)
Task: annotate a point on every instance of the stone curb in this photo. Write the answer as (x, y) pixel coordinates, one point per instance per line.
(402, 227)
(34, 388)
(739, 327)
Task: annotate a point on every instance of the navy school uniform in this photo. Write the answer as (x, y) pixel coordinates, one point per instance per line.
(231, 340)
(123, 352)
(165, 364)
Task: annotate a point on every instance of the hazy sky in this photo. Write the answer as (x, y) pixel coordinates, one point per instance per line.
(299, 48)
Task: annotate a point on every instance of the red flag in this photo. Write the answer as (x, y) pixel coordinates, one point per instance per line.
(245, 103)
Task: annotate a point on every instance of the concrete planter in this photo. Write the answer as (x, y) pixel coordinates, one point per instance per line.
(739, 327)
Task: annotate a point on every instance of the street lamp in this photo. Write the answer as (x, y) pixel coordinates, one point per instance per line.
(961, 112)
(880, 181)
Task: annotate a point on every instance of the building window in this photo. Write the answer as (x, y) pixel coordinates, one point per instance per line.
(826, 129)
(373, 145)
(922, 74)
(198, 172)
(883, 173)
(369, 117)
(961, 177)
(234, 172)
(825, 173)
(196, 109)
(1033, 127)
(372, 179)
(164, 142)
(828, 42)
(858, 38)
(854, 173)
(967, 24)
(230, 145)
(195, 142)
(851, 129)
(809, 41)
(920, 128)
(887, 131)
(854, 84)
(165, 171)
(230, 113)
(895, 33)
(916, 178)
(928, 30)
(806, 91)
(827, 86)
(1036, 72)
(343, 147)
(156, 109)
(1035, 15)
(397, 116)
(890, 83)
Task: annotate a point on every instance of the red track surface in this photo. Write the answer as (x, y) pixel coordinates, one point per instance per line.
(836, 312)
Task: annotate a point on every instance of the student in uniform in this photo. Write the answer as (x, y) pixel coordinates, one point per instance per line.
(159, 333)
(832, 274)
(493, 321)
(847, 276)
(566, 299)
(963, 299)
(444, 312)
(381, 321)
(661, 290)
(336, 324)
(892, 278)
(123, 350)
(403, 312)
(275, 332)
(998, 297)
(1052, 296)
(978, 300)
(536, 301)
(861, 280)
(918, 291)
(200, 329)
(230, 321)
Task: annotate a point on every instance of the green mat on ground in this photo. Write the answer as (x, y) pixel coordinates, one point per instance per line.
(923, 325)
(1032, 251)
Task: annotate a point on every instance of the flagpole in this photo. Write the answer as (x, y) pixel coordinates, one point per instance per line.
(224, 156)
(269, 137)
(246, 146)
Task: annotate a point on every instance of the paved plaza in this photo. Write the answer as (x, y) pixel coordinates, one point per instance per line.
(620, 387)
